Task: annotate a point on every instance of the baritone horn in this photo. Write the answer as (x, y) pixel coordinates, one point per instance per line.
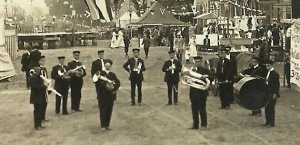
(98, 77)
(193, 79)
(79, 67)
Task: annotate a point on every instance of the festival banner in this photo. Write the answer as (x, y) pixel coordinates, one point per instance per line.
(295, 52)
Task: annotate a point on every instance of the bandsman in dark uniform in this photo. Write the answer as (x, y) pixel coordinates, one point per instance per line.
(60, 75)
(37, 96)
(287, 71)
(106, 98)
(97, 67)
(25, 61)
(76, 80)
(35, 55)
(44, 73)
(225, 77)
(172, 69)
(233, 66)
(256, 70)
(135, 66)
(198, 96)
(272, 80)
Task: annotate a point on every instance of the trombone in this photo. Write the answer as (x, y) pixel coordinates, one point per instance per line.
(47, 83)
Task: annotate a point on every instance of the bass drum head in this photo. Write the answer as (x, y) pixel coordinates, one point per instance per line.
(252, 94)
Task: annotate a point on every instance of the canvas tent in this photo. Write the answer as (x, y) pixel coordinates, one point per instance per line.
(6, 66)
(125, 19)
(157, 14)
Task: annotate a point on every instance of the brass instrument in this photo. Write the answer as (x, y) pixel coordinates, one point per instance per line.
(79, 67)
(63, 73)
(192, 79)
(109, 84)
(98, 77)
(75, 70)
(47, 83)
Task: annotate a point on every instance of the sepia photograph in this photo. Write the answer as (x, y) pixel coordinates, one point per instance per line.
(149, 72)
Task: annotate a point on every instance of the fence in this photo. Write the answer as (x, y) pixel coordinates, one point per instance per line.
(11, 43)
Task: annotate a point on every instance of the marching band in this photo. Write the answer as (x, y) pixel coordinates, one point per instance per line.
(198, 78)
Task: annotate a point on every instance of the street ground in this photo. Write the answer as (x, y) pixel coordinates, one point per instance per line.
(154, 123)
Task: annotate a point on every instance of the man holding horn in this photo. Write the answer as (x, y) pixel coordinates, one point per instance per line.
(199, 84)
(172, 69)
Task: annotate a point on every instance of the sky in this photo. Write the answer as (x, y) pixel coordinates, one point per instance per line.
(26, 4)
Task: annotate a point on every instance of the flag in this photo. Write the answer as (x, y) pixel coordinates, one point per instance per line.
(104, 7)
(95, 13)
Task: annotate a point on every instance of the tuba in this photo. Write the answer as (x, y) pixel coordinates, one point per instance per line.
(193, 79)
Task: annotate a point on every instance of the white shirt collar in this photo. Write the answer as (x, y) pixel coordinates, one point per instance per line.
(75, 60)
(228, 56)
(256, 66)
(107, 71)
(136, 58)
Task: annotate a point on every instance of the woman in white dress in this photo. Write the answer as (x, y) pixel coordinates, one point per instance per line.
(113, 42)
(120, 39)
(193, 49)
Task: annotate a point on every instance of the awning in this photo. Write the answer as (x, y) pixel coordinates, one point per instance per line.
(207, 16)
(285, 4)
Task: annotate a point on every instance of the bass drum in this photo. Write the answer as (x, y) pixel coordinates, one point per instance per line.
(251, 93)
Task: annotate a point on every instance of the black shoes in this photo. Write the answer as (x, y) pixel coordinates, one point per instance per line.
(193, 128)
(268, 125)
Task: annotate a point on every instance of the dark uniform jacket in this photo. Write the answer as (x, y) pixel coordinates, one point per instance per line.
(273, 83)
(96, 66)
(169, 77)
(233, 65)
(72, 65)
(129, 67)
(224, 71)
(34, 58)
(146, 42)
(194, 92)
(25, 61)
(259, 71)
(206, 43)
(60, 82)
(106, 94)
(38, 90)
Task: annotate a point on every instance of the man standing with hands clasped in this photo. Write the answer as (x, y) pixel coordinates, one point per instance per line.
(172, 70)
(272, 80)
(135, 66)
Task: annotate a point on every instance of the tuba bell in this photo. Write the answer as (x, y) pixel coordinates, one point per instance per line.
(193, 79)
